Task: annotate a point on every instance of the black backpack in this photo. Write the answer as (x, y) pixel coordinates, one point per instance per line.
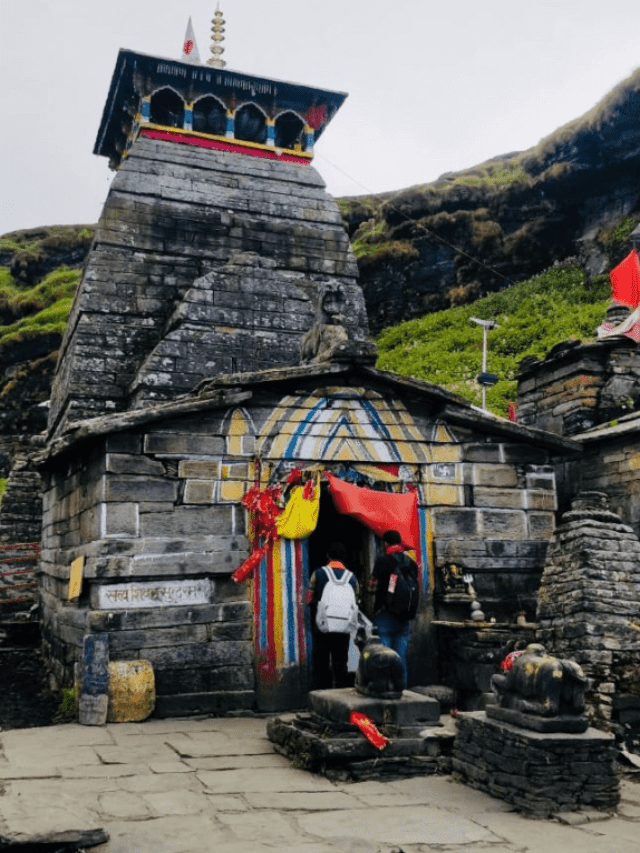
(402, 603)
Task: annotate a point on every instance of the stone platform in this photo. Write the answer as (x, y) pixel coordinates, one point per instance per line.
(405, 716)
(565, 723)
(539, 773)
(324, 741)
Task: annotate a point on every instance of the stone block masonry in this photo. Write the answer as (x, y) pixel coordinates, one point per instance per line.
(539, 774)
(156, 568)
(204, 262)
(498, 527)
(588, 603)
(151, 500)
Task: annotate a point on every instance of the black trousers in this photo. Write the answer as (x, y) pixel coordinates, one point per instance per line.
(330, 660)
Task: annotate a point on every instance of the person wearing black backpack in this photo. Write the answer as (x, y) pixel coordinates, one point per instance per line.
(394, 582)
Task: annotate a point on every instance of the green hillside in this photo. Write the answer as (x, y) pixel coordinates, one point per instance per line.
(532, 316)
(35, 310)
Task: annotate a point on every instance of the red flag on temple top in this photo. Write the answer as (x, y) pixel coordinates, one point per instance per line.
(189, 47)
(379, 511)
(625, 281)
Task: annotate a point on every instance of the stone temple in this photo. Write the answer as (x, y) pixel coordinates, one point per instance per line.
(218, 341)
(215, 238)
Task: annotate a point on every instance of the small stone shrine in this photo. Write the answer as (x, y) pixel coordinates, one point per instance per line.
(534, 748)
(324, 740)
(588, 609)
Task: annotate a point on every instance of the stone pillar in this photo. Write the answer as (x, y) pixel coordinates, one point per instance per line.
(589, 601)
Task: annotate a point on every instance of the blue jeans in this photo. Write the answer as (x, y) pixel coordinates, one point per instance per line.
(394, 635)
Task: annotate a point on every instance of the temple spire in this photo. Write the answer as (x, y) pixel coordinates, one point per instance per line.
(190, 51)
(217, 37)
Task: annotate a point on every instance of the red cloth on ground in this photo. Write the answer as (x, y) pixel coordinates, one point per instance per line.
(368, 729)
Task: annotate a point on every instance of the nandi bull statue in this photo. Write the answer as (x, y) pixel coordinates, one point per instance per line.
(380, 671)
(540, 685)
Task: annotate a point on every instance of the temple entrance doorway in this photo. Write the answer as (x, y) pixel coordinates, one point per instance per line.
(359, 541)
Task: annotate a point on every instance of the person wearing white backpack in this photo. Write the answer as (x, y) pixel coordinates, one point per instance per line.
(332, 595)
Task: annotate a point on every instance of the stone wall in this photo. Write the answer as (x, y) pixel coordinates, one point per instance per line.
(495, 524)
(204, 262)
(588, 604)
(610, 463)
(538, 774)
(151, 500)
(20, 528)
(578, 386)
(158, 548)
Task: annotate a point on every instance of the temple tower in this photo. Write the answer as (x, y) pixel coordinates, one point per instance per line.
(216, 237)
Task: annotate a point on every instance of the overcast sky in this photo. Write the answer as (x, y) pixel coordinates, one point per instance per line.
(434, 85)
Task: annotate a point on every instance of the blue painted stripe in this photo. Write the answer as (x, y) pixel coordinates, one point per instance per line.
(262, 594)
(424, 548)
(381, 427)
(291, 446)
(342, 421)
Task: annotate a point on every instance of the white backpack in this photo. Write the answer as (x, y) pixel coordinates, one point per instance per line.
(337, 609)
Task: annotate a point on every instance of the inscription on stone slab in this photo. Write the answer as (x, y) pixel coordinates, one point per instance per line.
(154, 594)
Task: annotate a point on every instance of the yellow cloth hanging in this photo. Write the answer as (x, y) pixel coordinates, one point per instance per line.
(300, 516)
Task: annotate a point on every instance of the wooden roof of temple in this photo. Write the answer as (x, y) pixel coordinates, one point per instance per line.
(138, 77)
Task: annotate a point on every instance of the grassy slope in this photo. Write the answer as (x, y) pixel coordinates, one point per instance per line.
(532, 316)
(36, 289)
(39, 309)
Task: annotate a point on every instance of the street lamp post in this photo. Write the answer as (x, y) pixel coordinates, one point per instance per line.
(484, 378)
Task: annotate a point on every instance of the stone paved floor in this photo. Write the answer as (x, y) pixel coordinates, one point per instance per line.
(200, 785)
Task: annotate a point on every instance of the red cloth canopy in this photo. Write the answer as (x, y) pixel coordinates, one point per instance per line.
(379, 511)
(625, 280)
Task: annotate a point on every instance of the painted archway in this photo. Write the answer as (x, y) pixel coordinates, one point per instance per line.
(361, 430)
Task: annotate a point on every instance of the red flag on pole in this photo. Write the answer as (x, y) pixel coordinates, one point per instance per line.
(379, 511)
(625, 281)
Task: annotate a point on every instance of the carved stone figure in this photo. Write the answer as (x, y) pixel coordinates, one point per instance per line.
(328, 333)
(380, 672)
(540, 684)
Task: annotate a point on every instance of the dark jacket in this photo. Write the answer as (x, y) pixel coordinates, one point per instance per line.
(383, 569)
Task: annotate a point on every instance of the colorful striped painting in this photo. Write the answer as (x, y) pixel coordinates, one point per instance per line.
(282, 634)
(341, 426)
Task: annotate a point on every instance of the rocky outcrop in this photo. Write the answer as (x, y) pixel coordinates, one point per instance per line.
(33, 253)
(473, 232)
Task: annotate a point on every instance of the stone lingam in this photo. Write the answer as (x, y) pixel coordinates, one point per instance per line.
(325, 740)
(534, 748)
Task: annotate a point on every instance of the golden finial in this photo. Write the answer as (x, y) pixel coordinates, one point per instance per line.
(217, 30)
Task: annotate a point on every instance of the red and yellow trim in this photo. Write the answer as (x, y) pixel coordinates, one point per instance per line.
(221, 143)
